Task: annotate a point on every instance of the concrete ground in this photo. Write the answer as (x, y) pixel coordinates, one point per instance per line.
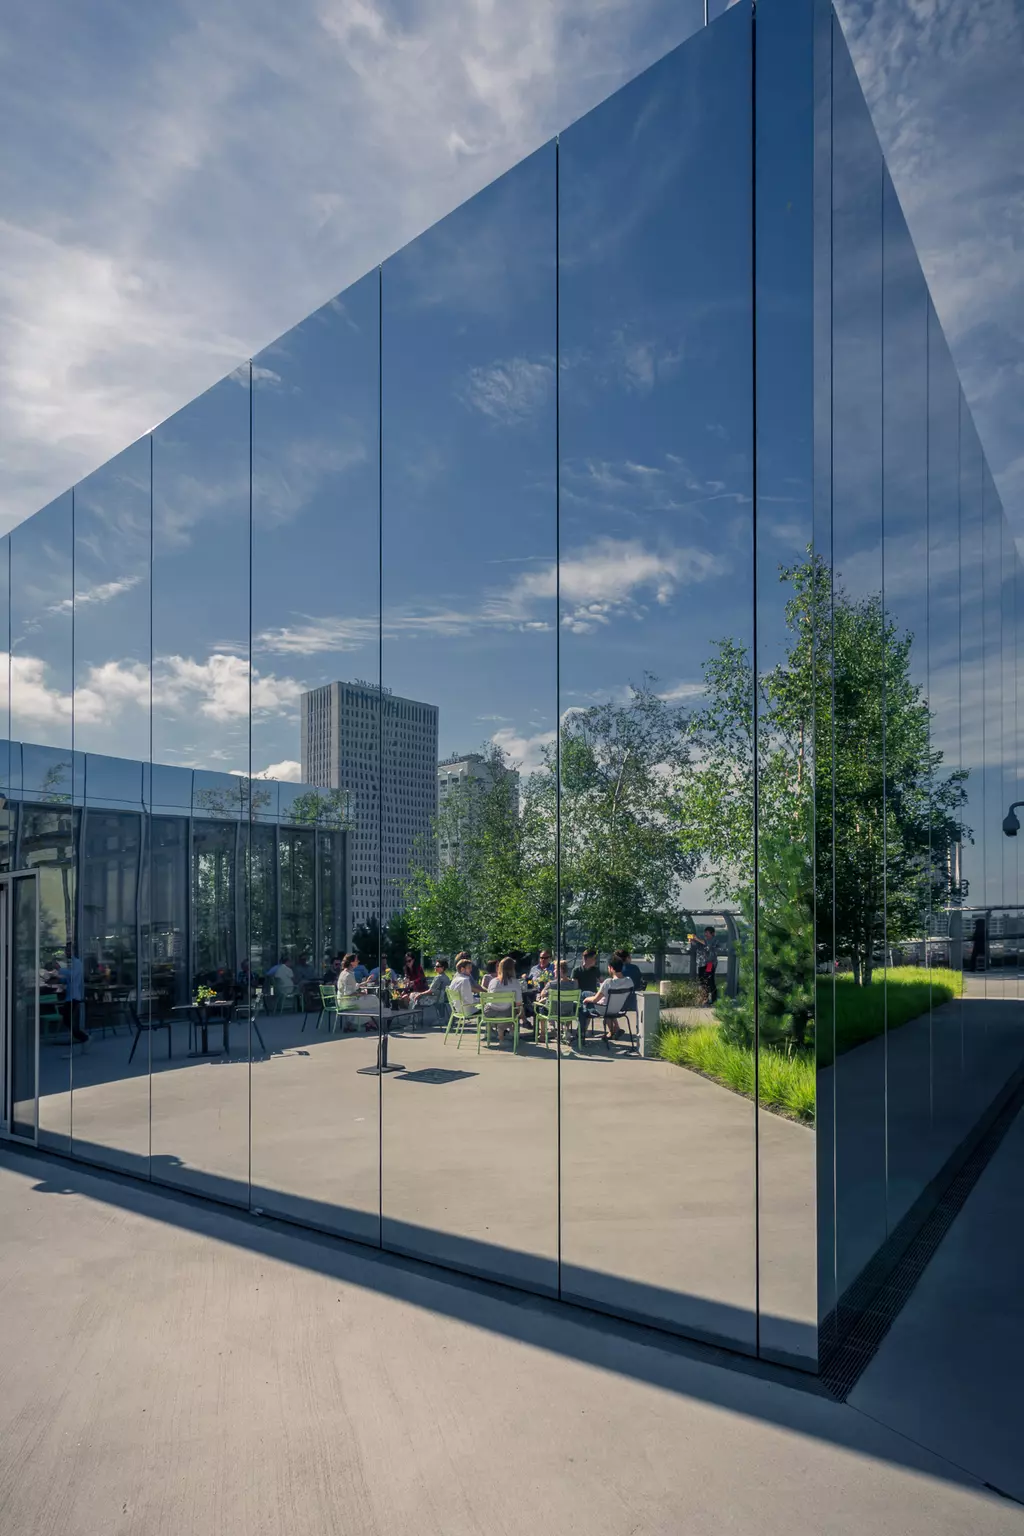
(168, 1367)
(460, 1152)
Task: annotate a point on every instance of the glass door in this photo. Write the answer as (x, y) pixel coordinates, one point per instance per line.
(19, 1005)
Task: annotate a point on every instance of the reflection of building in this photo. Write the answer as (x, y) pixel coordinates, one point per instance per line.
(383, 750)
(461, 781)
(637, 232)
(178, 891)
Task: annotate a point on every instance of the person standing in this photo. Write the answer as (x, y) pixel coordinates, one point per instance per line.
(707, 964)
(72, 978)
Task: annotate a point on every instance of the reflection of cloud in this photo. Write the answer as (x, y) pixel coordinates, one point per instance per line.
(287, 772)
(526, 751)
(310, 636)
(99, 594)
(219, 688)
(509, 391)
(609, 580)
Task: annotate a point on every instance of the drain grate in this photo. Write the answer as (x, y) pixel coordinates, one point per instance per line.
(875, 1299)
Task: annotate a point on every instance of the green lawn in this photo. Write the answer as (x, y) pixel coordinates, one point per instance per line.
(787, 1081)
(893, 998)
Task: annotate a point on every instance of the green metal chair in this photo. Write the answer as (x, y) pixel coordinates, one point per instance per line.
(328, 1006)
(459, 1017)
(559, 1010)
(501, 1008)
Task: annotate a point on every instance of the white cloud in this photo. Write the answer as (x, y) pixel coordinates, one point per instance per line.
(525, 751)
(286, 772)
(612, 579)
(173, 204)
(98, 594)
(510, 391)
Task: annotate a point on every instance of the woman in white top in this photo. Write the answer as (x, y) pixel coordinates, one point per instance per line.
(348, 985)
(505, 981)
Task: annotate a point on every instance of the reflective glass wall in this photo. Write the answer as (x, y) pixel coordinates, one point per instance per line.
(515, 771)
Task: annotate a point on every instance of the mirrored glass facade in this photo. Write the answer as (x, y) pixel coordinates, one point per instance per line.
(514, 774)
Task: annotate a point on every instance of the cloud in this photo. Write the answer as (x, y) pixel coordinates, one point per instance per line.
(613, 579)
(286, 772)
(511, 391)
(175, 202)
(98, 594)
(527, 752)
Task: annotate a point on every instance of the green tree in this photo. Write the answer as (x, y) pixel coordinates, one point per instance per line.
(398, 940)
(366, 942)
(843, 687)
(622, 858)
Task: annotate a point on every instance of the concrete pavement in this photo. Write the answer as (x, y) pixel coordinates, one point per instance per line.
(167, 1366)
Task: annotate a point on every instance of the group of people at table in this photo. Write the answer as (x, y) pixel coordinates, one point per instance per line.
(497, 990)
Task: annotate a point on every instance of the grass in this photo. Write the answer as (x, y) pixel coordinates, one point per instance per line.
(786, 1082)
(893, 998)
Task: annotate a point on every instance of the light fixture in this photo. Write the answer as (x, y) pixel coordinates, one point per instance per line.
(1011, 826)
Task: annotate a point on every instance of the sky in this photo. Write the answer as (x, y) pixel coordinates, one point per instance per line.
(186, 192)
(183, 182)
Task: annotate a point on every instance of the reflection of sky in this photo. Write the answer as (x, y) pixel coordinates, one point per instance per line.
(654, 487)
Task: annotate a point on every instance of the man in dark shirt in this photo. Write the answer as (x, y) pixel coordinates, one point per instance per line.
(707, 963)
(632, 971)
(588, 975)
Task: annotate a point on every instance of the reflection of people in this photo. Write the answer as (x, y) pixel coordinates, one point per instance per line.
(348, 985)
(463, 985)
(506, 980)
(632, 971)
(614, 984)
(541, 972)
(433, 995)
(588, 975)
(282, 979)
(413, 975)
(72, 979)
(707, 963)
(978, 945)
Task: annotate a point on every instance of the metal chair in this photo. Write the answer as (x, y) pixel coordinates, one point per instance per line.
(146, 1027)
(501, 1008)
(250, 1012)
(459, 1017)
(328, 1005)
(618, 1002)
(561, 1004)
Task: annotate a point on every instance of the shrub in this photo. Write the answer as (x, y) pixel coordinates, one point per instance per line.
(687, 993)
(786, 1082)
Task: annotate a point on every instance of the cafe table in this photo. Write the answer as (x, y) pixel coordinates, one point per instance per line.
(205, 1014)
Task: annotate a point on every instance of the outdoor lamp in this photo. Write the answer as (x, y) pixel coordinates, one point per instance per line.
(1011, 826)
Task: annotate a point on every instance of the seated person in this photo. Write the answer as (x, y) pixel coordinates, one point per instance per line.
(413, 979)
(612, 993)
(566, 990)
(462, 985)
(588, 975)
(631, 972)
(433, 995)
(348, 985)
(542, 971)
(506, 981)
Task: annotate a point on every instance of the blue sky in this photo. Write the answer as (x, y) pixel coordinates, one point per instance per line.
(186, 188)
(183, 182)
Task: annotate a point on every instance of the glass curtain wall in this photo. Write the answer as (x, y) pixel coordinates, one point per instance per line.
(609, 588)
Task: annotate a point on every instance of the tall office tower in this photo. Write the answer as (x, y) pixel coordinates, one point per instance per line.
(461, 782)
(383, 750)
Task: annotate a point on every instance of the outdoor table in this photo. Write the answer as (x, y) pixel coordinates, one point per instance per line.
(201, 1012)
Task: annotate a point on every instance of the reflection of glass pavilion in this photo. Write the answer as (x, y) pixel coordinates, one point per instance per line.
(563, 440)
(177, 871)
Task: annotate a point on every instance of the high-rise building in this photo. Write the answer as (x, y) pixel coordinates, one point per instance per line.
(382, 749)
(461, 781)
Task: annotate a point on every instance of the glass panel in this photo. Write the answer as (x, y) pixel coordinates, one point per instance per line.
(201, 689)
(5, 701)
(28, 1003)
(790, 591)
(469, 1172)
(917, 787)
(110, 1102)
(315, 752)
(856, 877)
(656, 689)
(945, 619)
(41, 694)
